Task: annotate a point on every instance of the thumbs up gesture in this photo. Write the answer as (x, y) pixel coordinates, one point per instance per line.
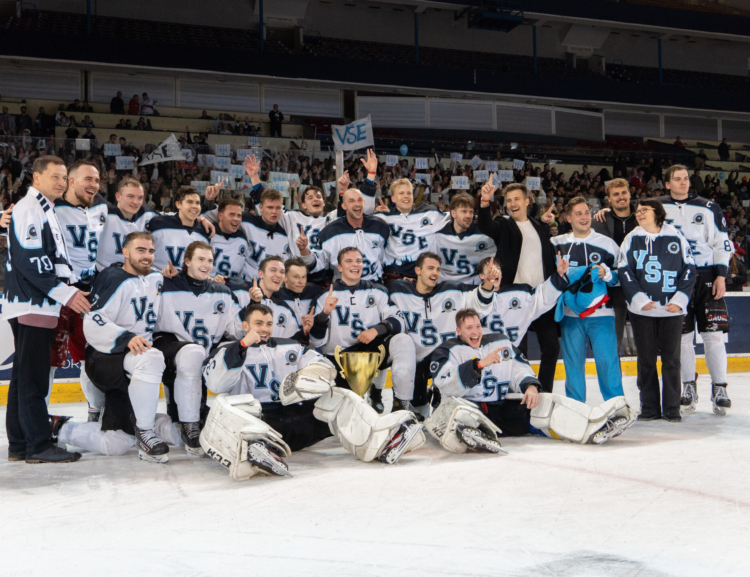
(331, 302)
(548, 217)
(256, 295)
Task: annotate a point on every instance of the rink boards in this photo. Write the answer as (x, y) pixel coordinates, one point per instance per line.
(67, 389)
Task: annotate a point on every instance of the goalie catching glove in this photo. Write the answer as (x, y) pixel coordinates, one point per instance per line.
(310, 382)
(235, 437)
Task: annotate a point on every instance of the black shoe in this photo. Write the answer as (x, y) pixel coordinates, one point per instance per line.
(13, 456)
(649, 416)
(376, 399)
(190, 434)
(672, 417)
(53, 455)
(56, 423)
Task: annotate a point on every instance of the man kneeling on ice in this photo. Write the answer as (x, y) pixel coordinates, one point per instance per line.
(473, 374)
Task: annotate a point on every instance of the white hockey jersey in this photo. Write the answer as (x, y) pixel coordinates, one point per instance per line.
(115, 231)
(595, 249)
(83, 229)
(262, 240)
(285, 322)
(171, 238)
(514, 308)
(301, 303)
(201, 312)
(295, 221)
(360, 307)
(122, 306)
(461, 253)
(259, 369)
(430, 319)
(230, 253)
(455, 373)
(371, 239)
(410, 235)
(702, 223)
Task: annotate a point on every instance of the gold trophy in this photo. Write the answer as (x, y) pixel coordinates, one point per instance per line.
(359, 369)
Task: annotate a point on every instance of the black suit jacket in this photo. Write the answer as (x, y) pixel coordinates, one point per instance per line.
(509, 238)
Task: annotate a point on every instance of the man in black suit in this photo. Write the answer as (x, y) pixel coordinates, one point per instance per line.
(276, 118)
(526, 256)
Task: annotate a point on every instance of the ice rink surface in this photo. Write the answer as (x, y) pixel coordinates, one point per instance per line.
(662, 499)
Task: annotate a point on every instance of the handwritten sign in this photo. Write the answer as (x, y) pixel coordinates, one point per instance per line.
(217, 176)
(533, 183)
(456, 157)
(222, 163)
(460, 182)
(222, 149)
(281, 186)
(253, 141)
(475, 162)
(124, 162)
(391, 160)
(112, 149)
(518, 164)
(491, 165)
(505, 175)
(200, 186)
(353, 136)
(423, 177)
(481, 175)
(206, 160)
(237, 171)
(421, 164)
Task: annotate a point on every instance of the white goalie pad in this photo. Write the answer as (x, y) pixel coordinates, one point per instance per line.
(567, 419)
(232, 424)
(308, 383)
(358, 427)
(453, 411)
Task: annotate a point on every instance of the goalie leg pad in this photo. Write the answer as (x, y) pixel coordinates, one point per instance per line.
(455, 413)
(308, 383)
(566, 419)
(358, 427)
(233, 424)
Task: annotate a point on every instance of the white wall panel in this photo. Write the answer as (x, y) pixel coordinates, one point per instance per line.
(691, 127)
(578, 125)
(394, 112)
(307, 101)
(618, 123)
(105, 86)
(524, 119)
(44, 83)
(460, 115)
(212, 94)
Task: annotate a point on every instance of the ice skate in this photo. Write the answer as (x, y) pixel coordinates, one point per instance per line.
(56, 423)
(400, 442)
(190, 434)
(150, 447)
(720, 399)
(613, 428)
(262, 455)
(689, 397)
(476, 440)
(94, 415)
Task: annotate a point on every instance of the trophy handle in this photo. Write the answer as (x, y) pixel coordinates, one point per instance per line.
(381, 349)
(337, 356)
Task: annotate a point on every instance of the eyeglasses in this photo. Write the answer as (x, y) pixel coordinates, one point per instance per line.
(643, 210)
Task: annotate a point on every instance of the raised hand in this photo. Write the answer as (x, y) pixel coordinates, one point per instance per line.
(548, 217)
(343, 183)
(252, 167)
(251, 338)
(331, 302)
(169, 271)
(213, 191)
(302, 242)
(563, 264)
(493, 275)
(5, 218)
(371, 163)
(307, 322)
(382, 207)
(256, 294)
(488, 191)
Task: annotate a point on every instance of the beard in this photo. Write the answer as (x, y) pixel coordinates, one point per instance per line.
(141, 269)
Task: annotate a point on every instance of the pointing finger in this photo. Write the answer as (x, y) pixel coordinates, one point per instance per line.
(255, 283)
(330, 291)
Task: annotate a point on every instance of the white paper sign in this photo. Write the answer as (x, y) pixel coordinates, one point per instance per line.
(475, 162)
(421, 164)
(253, 141)
(237, 171)
(217, 176)
(481, 175)
(188, 154)
(329, 187)
(222, 163)
(518, 164)
(83, 144)
(200, 186)
(246, 183)
(124, 162)
(206, 160)
(277, 177)
(423, 177)
(434, 197)
(111, 149)
(505, 175)
(281, 186)
(222, 149)
(460, 183)
(243, 152)
(456, 156)
(167, 150)
(533, 183)
(391, 160)
(491, 165)
(353, 136)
